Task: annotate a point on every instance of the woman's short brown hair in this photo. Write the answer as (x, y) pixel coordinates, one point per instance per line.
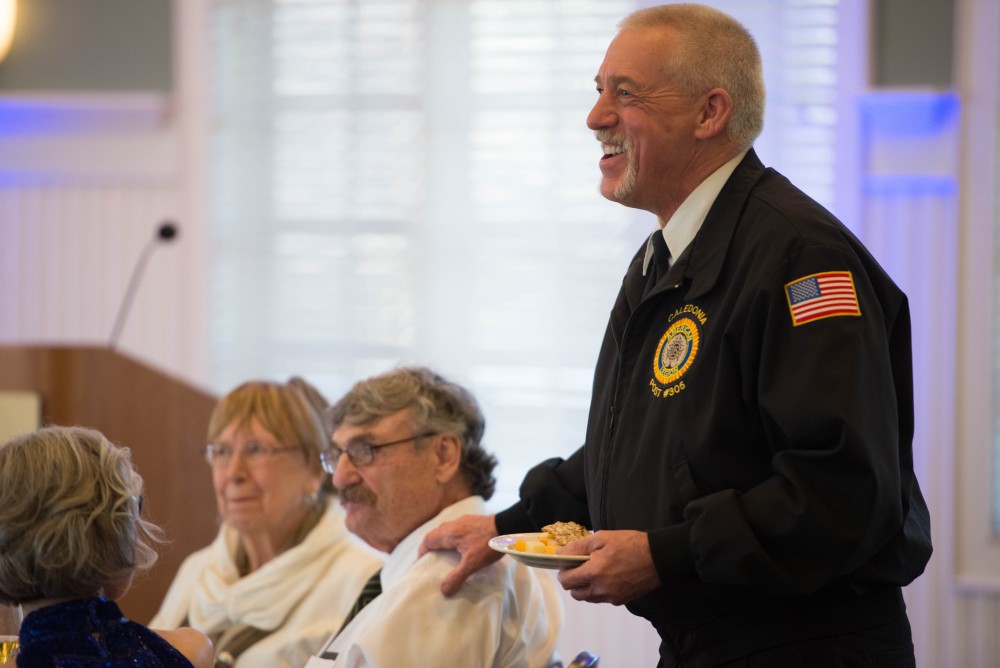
(292, 412)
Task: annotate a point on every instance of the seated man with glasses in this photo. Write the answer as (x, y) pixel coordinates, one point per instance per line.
(406, 456)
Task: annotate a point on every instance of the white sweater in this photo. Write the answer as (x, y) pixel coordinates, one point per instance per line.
(304, 593)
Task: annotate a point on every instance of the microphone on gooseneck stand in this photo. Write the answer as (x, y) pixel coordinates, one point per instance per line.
(166, 232)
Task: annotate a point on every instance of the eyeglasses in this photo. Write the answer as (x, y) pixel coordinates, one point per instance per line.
(253, 453)
(361, 453)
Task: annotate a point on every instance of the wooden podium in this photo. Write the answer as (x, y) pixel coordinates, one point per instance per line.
(162, 420)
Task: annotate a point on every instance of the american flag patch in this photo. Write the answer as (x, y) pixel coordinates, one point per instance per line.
(824, 295)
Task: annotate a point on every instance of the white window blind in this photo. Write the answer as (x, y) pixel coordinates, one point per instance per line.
(405, 181)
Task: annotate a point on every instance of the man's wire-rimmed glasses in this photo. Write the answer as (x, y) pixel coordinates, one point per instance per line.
(254, 452)
(361, 453)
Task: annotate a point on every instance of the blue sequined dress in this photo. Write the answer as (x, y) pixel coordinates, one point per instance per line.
(91, 633)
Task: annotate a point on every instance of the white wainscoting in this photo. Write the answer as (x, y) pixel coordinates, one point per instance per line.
(912, 225)
(85, 182)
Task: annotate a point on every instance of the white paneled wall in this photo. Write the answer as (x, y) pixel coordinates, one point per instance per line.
(78, 205)
(914, 236)
(912, 225)
(65, 256)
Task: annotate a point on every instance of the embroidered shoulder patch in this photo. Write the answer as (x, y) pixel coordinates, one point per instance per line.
(823, 295)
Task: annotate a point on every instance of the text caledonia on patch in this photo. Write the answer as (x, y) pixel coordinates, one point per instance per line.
(693, 310)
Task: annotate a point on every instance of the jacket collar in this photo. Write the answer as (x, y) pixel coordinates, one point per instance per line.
(702, 262)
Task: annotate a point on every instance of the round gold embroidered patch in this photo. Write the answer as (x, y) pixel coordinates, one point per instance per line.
(676, 351)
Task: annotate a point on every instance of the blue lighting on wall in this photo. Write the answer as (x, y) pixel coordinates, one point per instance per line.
(925, 118)
(909, 113)
(116, 113)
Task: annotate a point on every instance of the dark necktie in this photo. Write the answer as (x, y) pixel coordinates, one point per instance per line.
(369, 593)
(660, 263)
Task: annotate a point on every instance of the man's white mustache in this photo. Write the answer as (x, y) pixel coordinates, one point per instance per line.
(609, 137)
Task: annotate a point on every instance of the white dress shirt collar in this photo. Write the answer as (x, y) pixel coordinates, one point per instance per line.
(682, 227)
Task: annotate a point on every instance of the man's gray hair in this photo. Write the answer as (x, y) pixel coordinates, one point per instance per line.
(714, 51)
(435, 404)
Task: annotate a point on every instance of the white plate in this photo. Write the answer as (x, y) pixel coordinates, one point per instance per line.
(505, 544)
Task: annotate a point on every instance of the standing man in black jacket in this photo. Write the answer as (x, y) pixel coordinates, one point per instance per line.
(747, 464)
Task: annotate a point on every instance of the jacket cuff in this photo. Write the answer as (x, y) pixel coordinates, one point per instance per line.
(671, 550)
(514, 520)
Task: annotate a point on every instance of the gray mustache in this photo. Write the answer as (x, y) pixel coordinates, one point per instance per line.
(357, 494)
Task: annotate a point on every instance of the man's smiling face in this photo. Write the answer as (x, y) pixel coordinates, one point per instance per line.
(644, 123)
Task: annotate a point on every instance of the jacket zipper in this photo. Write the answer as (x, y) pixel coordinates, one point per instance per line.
(606, 472)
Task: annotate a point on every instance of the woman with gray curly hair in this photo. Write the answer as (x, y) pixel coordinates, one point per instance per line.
(71, 539)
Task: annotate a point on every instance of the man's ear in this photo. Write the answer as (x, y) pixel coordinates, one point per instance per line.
(448, 450)
(713, 116)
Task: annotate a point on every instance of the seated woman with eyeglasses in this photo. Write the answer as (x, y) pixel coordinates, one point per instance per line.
(71, 539)
(283, 572)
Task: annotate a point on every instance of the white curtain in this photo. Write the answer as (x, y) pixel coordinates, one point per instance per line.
(412, 181)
